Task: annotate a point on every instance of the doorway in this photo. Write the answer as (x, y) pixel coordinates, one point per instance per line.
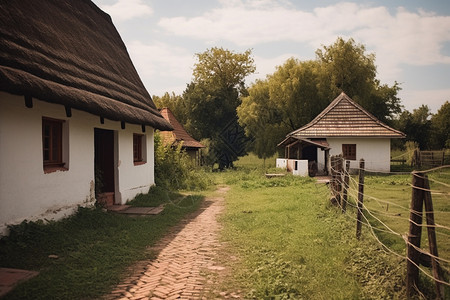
(104, 162)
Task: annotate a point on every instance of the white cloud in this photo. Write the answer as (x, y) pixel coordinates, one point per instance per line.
(412, 99)
(124, 10)
(404, 37)
(159, 63)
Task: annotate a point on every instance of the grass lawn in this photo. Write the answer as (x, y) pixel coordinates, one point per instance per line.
(94, 248)
(388, 199)
(283, 240)
(289, 243)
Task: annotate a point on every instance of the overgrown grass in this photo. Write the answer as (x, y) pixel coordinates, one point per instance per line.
(93, 247)
(156, 196)
(292, 245)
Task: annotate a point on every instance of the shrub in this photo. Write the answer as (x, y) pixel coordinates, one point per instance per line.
(174, 170)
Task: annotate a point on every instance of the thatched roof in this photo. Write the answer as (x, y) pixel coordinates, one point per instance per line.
(345, 118)
(179, 134)
(69, 52)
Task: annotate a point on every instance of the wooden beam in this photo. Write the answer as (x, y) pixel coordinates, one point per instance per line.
(68, 111)
(122, 124)
(28, 101)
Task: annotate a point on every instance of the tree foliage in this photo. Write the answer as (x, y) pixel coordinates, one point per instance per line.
(214, 94)
(175, 103)
(299, 90)
(223, 68)
(440, 126)
(416, 125)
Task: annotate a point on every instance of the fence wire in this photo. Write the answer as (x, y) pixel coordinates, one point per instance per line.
(439, 188)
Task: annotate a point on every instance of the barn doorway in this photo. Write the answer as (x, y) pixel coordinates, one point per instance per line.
(104, 166)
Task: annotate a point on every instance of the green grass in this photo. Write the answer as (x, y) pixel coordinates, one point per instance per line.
(291, 244)
(388, 199)
(155, 197)
(94, 248)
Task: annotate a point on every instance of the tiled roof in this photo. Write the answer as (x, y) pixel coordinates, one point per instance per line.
(178, 134)
(345, 118)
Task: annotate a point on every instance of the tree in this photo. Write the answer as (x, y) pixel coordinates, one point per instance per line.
(416, 125)
(214, 94)
(293, 88)
(299, 90)
(223, 68)
(175, 103)
(346, 67)
(267, 127)
(440, 124)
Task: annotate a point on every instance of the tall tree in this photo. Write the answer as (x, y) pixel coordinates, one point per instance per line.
(268, 126)
(214, 94)
(293, 88)
(346, 67)
(299, 90)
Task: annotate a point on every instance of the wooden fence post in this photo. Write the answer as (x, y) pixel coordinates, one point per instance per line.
(333, 177)
(335, 181)
(415, 233)
(345, 186)
(339, 163)
(429, 213)
(360, 198)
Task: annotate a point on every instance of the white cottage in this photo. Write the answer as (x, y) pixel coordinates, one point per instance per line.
(74, 114)
(344, 127)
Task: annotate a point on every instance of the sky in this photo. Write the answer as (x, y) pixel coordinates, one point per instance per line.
(410, 38)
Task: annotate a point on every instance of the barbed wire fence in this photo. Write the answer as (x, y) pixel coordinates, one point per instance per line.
(348, 192)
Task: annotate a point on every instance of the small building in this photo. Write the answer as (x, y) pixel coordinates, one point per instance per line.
(75, 119)
(344, 127)
(178, 136)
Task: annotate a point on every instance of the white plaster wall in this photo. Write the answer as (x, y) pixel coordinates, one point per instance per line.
(375, 151)
(134, 179)
(26, 192)
(281, 163)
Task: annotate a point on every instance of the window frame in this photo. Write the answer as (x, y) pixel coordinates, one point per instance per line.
(349, 151)
(55, 160)
(138, 149)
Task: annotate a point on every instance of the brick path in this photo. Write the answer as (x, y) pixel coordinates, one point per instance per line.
(185, 257)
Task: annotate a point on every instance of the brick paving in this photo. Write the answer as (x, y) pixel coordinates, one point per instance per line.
(184, 260)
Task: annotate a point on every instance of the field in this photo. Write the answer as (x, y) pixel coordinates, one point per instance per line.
(388, 198)
(282, 237)
(290, 243)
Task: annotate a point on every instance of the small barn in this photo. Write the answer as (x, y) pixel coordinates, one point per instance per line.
(76, 121)
(344, 127)
(178, 136)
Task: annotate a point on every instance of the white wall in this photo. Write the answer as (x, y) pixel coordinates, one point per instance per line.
(26, 192)
(132, 179)
(375, 151)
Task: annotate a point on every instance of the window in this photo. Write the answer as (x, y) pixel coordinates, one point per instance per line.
(52, 144)
(138, 149)
(349, 151)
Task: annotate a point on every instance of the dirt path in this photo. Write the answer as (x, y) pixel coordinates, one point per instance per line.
(185, 257)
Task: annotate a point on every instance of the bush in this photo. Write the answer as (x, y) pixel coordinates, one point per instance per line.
(174, 170)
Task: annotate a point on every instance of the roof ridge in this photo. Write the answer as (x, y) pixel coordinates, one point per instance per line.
(360, 111)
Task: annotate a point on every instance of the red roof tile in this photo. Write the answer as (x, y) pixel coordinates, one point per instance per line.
(178, 134)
